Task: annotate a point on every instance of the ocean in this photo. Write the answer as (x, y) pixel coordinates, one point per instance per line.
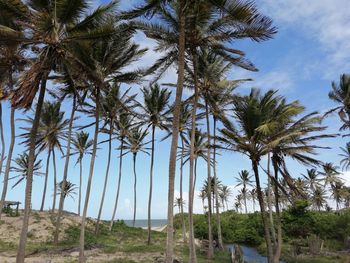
(143, 222)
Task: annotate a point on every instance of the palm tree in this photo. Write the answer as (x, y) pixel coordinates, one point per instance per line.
(340, 94)
(51, 132)
(68, 189)
(112, 103)
(318, 198)
(252, 195)
(311, 178)
(244, 179)
(124, 124)
(154, 111)
(179, 203)
(135, 144)
(21, 168)
(345, 162)
(225, 193)
(330, 174)
(52, 37)
(338, 193)
(81, 146)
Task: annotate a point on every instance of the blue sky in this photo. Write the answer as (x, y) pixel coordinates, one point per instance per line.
(310, 50)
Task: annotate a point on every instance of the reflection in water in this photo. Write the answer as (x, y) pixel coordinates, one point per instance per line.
(250, 254)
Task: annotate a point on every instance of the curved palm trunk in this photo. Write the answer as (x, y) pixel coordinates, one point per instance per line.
(220, 242)
(209, 191)
(29, 181)
(263, 212)
(106, 178)
(46, 177)
(150, 188)
(181, 191)
(65, 172)
(80, 182)
(192, 246)
(2, 157)
(9, 158)
(135, 192)
(175, 133)
(91, 173)
(54, 180)
(119, 181)
(278, 247)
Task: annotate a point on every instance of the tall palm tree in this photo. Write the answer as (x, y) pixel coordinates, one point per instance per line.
(21, 168)
(124, 124)
(155, 113)
(252, 195)
(330, 174)
(225, 193)
(68, 189)
(54, 33)
(345, 162)
(51, 133)
(81, 146)
(340, 94)
(113, 101)
(134, 144)
(244, 179)
(312, 178)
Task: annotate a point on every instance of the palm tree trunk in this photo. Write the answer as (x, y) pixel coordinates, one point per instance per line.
(46, 177)
(80, 182)
(29, 181)
(175, 133)
(278, 248)
(106, 177)
(54, 180)
(220, 242)
(210, 206)
(119, 181)
(135, 192)
(150, 188)
(263, 212)
(245, 201)
(181, 191)
(192, 246)
(65, 171)
(195, 178)
(2, 157)
(91, 173)
(269, 200)
(9, 158)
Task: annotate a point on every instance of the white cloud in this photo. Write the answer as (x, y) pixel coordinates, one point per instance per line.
(327, 22)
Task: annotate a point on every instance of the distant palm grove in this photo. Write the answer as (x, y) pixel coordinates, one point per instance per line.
(64, 52)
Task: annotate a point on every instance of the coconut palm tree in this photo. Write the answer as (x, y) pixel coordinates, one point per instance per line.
(253, 197)
(56, 30)
(179, 203)
(154, 113)
(134, 144)
(338, 193)
(225, 193)
(312, 178)
(113, 102)
(330, 174)
(21, 168)
(51, 132)
(81, 146)
(318, 198)
(345, 162)
(124, 123)
(244, 179)
(68, 189)
(340, 94)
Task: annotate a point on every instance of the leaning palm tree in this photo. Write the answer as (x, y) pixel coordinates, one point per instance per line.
(55, 32)
(134, 144)
(21, 168)
(345, 162)
(154, 112)
(340, 94)
(81, 146)
(51, 133)
(244, 180)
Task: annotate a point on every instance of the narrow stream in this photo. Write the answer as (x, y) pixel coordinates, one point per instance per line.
(250, 254)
